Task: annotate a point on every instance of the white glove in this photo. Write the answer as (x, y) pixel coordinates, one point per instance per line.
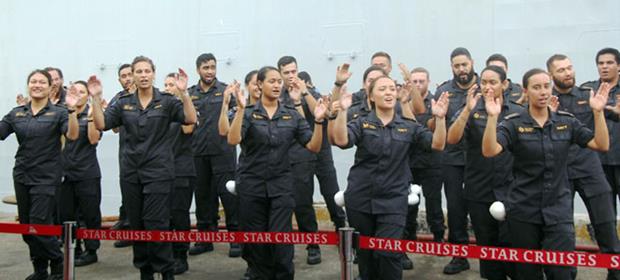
(339, 198)
(498, 211)
(231, 187)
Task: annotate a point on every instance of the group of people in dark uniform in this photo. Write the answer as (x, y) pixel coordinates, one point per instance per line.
(485, 139)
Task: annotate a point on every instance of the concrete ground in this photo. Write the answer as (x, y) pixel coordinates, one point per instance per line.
(116, 264)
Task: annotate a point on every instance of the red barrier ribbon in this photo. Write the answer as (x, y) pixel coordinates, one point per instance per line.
(30, 229)
(321, 238)
(492, 253)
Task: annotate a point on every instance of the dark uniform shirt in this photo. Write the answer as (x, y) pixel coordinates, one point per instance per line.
(611, 157)
(122, 134)
(540, 193)
(358, 96)
(379, 179)
(582, 162)
(299, 153)
(453, 154)
(513, 92)
(37, 161)
(486, 179)
(264, 164)
(207, 139)
(183, 154)
(419, 157)
(148, 150)
(79, 157)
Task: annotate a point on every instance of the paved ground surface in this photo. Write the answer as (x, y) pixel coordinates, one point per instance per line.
(116, 264)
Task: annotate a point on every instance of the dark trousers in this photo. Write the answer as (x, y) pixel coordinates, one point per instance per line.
(328, 182)
(303, 189)
(212, 173)
(601, 212)
(262, 214)
(557, 237)
(180, 220)
(148, 208)
(378, 264)
(80, 201)
(612, 173)
(489, 232)
(457, 206)
(430, 180)
(122, 211)
(36, 205)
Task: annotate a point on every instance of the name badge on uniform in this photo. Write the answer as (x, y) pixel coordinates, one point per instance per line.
(561, 127)
(582, 102)
(218, 94)
(515, 94)
(194, 97)
(20, 114)
(479, 116)
(402, 130)
(50, 114)
(525, 129)
(450, 94)
(257, 116)
(368, 126)
(286, 117)
(157, 106)
(128, 107)
(355, 116)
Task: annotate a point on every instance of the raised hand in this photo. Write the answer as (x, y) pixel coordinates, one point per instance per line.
(404, 71)
(241, 101)
(181, 81)
(319, 111)
(405, 90)
(346, 98)
(229, 91)
(492, 104)
(72, 97)
(94, 86)
(598, 101)
(554, 103)
(21, 100)
(342, 73)
(297, 88)
(473, 97)
(104, 103)
(616, 107)
(440, 107)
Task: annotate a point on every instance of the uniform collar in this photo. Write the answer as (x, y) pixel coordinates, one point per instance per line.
(527, 118)
(45, 108)
(372, 117)
(260, 109)
(215, 85)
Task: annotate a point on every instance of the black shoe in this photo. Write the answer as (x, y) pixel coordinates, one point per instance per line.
(180, 266)
(200, 248)
(456, 265)
(314, 255)
(121, 224)
(122, 243)
(235, 250)
(406, 262)
(56, 269)
(146, 274)
(168, 275)
(38, 275)
(88, 257)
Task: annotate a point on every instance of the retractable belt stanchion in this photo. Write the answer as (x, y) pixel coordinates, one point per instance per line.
(345, 250)
(69, 248)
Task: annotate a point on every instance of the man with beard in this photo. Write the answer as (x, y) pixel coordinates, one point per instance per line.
(607, 61)
(125, 78)
(302, 161)
(453, 158)
(585, 173)
(514, 92)
(214, 158)
(58, 91)
(379, 59)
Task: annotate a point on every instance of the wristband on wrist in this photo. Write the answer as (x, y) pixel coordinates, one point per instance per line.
(338, 84)
(298, 104)
(318, 122)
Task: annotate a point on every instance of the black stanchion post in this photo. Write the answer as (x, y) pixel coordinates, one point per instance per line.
(69, 248)
(345, 249)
